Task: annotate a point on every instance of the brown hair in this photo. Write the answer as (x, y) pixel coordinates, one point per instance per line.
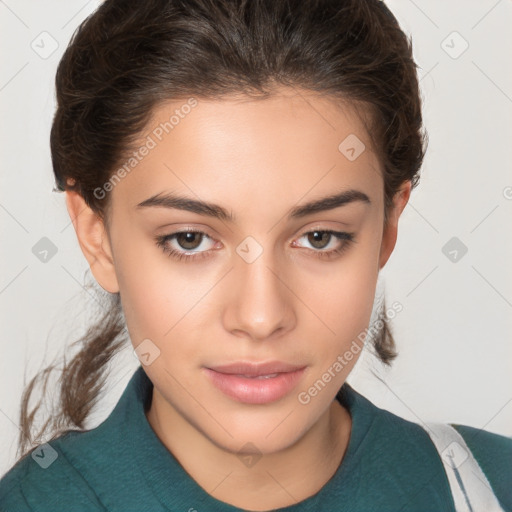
(129, 56)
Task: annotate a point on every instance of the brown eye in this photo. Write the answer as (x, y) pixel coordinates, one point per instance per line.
(321, 242)
(319, 239)
(185, 245)
(189, 240)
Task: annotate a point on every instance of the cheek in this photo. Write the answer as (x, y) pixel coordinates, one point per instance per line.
(152, 294)
(342, 295)
(343, 302)
(165, 301)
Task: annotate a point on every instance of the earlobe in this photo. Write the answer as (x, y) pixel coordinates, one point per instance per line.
(93, 240)
(389, 236)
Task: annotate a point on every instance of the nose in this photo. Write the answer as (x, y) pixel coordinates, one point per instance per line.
(260, 303)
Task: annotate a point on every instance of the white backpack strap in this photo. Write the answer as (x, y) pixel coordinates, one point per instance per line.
(470, 488)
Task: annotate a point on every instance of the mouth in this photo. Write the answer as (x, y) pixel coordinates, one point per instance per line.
(255, 383)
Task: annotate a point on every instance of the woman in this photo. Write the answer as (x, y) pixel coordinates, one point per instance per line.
(235, 172)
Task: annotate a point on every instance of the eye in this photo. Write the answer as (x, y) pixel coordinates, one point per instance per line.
(321, 238)
(186, 245)
(187, 240)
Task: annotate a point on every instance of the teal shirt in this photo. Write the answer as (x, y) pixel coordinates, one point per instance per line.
(390, 465)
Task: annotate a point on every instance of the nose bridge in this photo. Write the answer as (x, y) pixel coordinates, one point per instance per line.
(260, 304)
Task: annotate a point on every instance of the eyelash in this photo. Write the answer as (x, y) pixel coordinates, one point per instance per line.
(161, 241)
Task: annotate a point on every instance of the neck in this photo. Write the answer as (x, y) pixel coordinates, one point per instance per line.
(276, 480)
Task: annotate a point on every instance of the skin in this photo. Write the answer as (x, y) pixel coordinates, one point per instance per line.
(258, 159)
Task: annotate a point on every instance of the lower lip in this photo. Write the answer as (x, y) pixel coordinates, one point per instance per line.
(255, 391)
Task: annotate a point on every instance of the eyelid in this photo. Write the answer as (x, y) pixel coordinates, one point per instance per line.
(342, 236)
(164, 237)
(203, 231)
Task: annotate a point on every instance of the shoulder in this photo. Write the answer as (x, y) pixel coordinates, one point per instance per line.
(88, 470)
(406, 470)
(493, 452)
(11, 495)
(403, 453)
(44, 479)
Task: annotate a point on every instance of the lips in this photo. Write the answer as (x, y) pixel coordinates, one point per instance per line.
(255, 383)
(254, 370)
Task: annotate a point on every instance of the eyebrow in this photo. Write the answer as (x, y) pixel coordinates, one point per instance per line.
(170, 200)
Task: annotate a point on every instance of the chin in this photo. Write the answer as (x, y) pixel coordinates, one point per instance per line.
(261, 436)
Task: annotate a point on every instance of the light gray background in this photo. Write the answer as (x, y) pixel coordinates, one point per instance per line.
(453, 334)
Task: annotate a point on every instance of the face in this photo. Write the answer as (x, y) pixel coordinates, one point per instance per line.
(258, 278)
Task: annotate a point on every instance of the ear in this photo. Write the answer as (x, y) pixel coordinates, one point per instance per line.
(400, 200)
(93, 240)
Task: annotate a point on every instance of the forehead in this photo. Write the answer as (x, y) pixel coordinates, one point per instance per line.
(238, 146)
